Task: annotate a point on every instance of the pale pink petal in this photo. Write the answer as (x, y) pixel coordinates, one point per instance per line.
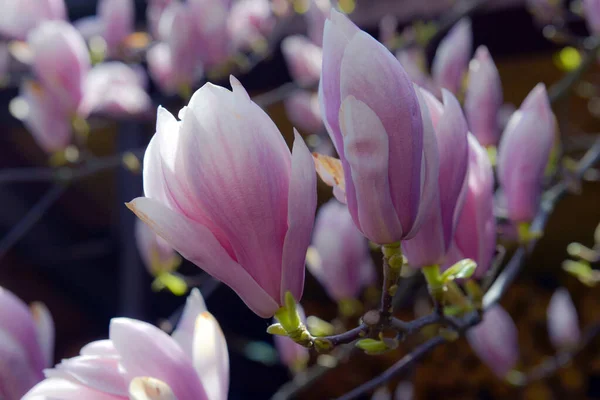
(145, 388)
(17, 374)
(211, 358)
(45, 330)
(63, 389)
(184, 333)
(100, 373)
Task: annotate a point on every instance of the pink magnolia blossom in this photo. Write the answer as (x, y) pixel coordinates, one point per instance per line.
(563, 323)
(339, 256)
(452, 57)
(139, 359)
(303, 58)
(154, 12)
(26, 345)
(523, 154)
(384, 138)
(213, 41)
(303, 110)
(316, 15)
(475, 234)
(413, 62)
(483, 99)
(591, 10)
(19, 17)
(249, 21)
(60, 62)
(224, 191)
(118, 21)
(495, 341)
(431, 243)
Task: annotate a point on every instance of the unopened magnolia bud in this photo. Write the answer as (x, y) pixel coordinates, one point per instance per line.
(563, 324)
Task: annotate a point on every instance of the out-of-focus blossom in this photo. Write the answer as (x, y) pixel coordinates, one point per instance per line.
(154, 12)
(316, 15)
(291, 354)
(563, 323)
(249, 22)
(26, 345)
(504, 114)
(19, 17)
(523, 154)
(546, 10)
(156, 254)
(452, 57)
(175, 64)
(49, 125)
(118, 21)
(483, 98)
(384, 138)
(339, 256)
(115, 89)
(303, 110)
(61, 62)
(413, 62)
(303, 58)
(591, 10)
(213, 42)
(431, 243)
(475, 234)
(139, 361)
(495, 341)
(388, 26)
(404, 391)
(224, 191)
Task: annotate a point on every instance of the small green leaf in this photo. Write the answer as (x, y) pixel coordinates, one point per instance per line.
(276, 329)
(372, 346)
(319, 327)
(582, 271)
(288, 314)
(461, 270)
(173, 283)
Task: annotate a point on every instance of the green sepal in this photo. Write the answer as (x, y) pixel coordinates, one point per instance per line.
(372, 346)
(288, 315)
(173, 283)
(276, 329)
(319, 327)
(461, 270)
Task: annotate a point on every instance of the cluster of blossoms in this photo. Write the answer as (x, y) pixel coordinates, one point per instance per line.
(222, 188)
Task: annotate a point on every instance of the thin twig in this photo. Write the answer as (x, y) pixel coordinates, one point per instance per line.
(33, 215)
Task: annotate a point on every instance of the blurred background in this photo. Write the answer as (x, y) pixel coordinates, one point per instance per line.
(75, 250)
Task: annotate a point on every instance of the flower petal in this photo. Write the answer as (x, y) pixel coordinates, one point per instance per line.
(211, 358)
(145, 388)
(58, 388)
(184, 333)
(45, 330)
(96, 372)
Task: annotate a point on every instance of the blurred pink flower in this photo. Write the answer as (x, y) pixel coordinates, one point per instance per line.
(303, 110)
(249, 21)
(303, 58)
(19, 17)
(452, 57)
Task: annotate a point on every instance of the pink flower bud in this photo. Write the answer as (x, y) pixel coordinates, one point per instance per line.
(118, 21)
(339, 256)
(26, 345)
(154, 12)
(484, 98)
(495, 341)
(303, 110)
(213, 41)
(291, 354)
(303, 58)
(452, 57)
(316, 15)
(386, 146)
(190, 364)
(156, 254)
(432, 241)
(563, 323)
(49, 125)
(523, 154)
(591, 10)
(250, 21)
(115, 89)
(61, 62)
(413, 62)
(19, 17)
(224, 191)
(475, 234)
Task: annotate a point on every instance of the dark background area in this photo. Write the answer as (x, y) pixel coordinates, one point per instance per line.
(80, 257)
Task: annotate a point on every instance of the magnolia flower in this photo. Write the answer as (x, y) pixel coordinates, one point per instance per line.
(213, 41)
(118, 21)
(413, 61)
(26, 345)
(60, 62)
(591, 10)
(303, 110)
(339, 256)
(483, 98)
(19, 17)
(303, 59)
(475, 234)
(156, 254)
(452, 57)
(431, 243)
(115, 89)
(175, 64)
(563, 323)
(249, 21)
(224, 191)
(523, 154)
(141, 362)
(49, 125)
(495, 341)
(154, 12)
(385, 140)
